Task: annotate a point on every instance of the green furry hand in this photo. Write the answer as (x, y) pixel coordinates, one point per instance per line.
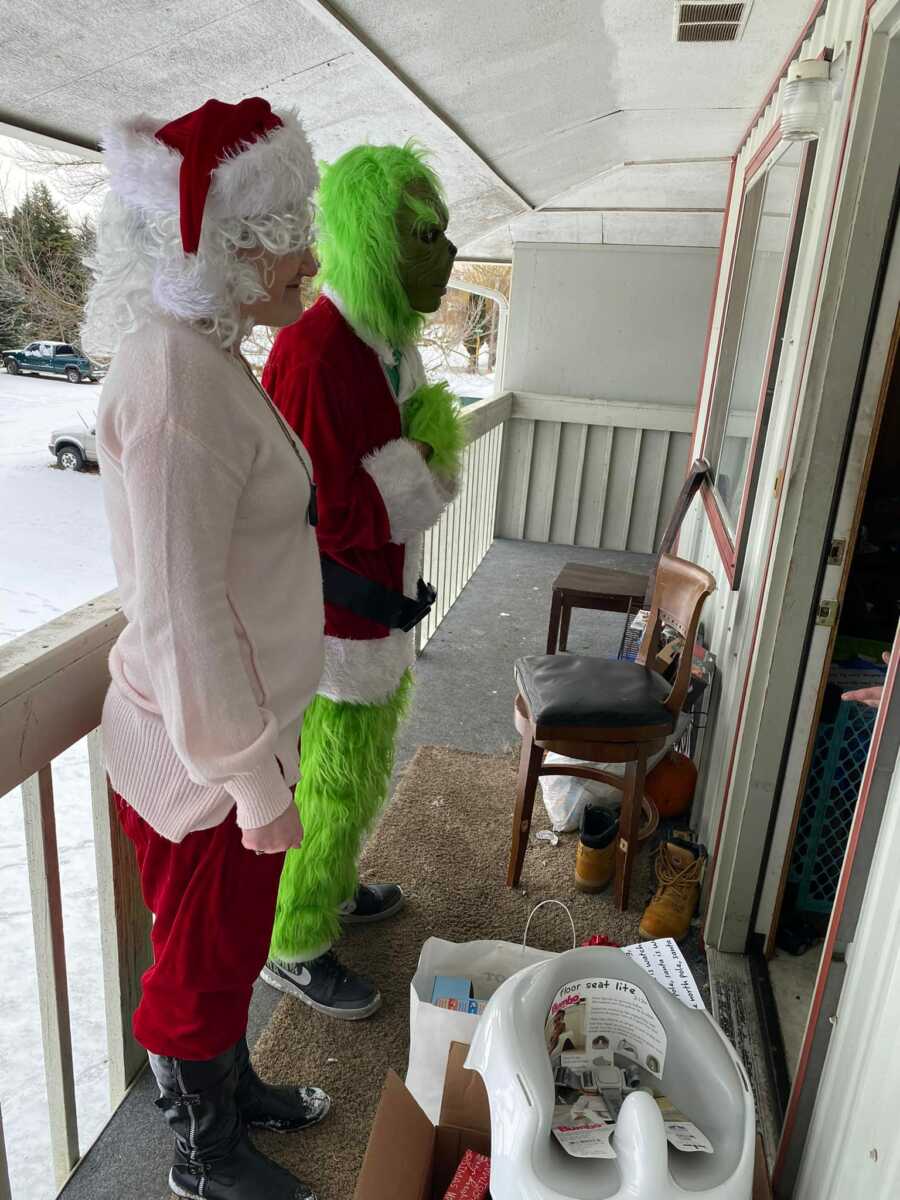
(432, 415)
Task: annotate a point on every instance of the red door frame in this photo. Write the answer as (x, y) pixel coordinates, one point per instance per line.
(801, 374)
(732, 548)
(815, 1012)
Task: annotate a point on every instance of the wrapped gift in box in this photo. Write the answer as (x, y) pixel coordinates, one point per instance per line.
(472, 1178)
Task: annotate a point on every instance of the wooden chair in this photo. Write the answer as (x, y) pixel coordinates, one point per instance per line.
(607, 710)
(621, 585)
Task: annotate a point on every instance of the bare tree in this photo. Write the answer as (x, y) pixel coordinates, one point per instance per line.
(76, 180)
(466, 322)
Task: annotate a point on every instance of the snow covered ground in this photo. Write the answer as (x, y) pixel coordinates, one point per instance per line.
(53, 539)
(467, 385)
(54, 556)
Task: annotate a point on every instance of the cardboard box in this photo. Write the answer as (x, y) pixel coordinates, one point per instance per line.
(451, 987)
(408, 1158)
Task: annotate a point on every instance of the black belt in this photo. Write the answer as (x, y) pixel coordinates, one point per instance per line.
(365, 598)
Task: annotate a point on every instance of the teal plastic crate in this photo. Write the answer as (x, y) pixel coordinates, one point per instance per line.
(826, 814)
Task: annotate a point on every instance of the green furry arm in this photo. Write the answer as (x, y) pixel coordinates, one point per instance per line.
(432, 415)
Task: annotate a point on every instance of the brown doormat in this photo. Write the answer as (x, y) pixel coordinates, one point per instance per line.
(445, 838)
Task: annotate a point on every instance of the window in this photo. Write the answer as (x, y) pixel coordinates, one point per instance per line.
(64, 349)
(768, 238)
(33, 348)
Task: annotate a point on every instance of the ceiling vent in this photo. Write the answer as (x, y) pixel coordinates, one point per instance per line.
(710, 20)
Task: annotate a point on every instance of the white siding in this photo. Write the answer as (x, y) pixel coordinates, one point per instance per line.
(591, 473)
(624, 322)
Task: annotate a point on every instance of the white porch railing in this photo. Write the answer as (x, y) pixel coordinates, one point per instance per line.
(52, 684)
(462, 537)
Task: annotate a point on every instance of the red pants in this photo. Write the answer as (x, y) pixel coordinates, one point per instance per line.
(214, 904)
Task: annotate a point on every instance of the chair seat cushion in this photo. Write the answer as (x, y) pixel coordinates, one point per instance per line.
(577, 691)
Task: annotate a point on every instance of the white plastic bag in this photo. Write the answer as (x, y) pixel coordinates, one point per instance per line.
(567, 796)
(432, 1029)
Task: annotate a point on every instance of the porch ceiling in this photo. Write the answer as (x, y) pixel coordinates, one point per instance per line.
(554, 104)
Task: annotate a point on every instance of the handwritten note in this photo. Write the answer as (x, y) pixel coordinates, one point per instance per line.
(665, 963)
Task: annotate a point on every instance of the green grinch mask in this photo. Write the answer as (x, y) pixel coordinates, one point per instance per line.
(382, 238)
(426, 253)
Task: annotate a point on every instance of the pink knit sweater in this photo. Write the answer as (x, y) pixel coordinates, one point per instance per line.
(219, 578)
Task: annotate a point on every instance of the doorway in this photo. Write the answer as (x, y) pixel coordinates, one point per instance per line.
(839, 746)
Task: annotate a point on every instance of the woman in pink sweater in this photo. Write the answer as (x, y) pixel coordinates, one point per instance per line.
(211, 507)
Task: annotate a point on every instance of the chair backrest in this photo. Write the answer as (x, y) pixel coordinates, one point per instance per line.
(689, 489)
(679, 594)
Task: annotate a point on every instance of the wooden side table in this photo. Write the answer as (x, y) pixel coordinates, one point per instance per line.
(580, 585)
(615, 589)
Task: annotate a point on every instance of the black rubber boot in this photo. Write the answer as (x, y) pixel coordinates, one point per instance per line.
(281, 1109)
(214, 1159)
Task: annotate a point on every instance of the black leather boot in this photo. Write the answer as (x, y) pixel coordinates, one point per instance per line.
(214, 1158)
(267, 1106)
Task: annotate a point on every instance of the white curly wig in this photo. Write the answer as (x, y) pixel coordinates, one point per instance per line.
(260, 197)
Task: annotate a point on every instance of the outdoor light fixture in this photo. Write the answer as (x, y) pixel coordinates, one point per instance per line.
(807, 95)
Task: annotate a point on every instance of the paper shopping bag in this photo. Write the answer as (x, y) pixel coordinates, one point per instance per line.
(432, 1029)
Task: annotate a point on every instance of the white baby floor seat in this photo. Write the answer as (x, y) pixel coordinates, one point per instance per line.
(701, 1075)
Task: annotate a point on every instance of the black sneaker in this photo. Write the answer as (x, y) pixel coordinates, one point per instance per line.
(372, 902)
(326, 985)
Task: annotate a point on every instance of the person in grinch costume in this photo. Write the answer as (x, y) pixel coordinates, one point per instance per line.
(386, 450)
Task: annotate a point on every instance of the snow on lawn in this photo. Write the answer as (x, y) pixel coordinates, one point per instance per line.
(467, 385)
(54, 555)
(53, 539)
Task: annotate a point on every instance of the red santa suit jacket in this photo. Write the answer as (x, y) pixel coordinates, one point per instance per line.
(376, 494)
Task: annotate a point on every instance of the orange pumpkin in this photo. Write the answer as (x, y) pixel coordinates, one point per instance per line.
(671, 783)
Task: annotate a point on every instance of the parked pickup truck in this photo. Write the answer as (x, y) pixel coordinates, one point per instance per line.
(74, 448)
(52, 358)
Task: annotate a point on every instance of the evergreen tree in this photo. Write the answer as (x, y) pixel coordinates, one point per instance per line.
(13, 330)
(41, 260)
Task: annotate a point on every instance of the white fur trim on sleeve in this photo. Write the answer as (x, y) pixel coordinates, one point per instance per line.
(407, 488)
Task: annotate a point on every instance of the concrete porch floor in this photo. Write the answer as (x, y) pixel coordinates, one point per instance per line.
(464, 697)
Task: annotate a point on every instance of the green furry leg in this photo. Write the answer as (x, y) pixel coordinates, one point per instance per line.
(346, 761)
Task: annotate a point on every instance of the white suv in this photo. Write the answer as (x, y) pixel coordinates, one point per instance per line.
(73, 448)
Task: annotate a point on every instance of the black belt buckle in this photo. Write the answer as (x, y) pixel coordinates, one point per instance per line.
(419, 608)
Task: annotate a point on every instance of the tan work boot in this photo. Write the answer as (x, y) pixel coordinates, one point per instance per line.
(595, 859)
(679, 871)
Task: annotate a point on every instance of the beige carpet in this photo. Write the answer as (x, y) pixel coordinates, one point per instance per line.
(445, 837)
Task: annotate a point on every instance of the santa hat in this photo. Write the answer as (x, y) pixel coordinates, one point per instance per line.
(220, 161)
